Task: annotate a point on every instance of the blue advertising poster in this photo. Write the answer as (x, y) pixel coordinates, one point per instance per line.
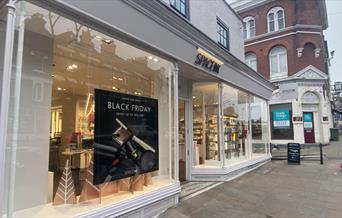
(281, 118)
(307, 118)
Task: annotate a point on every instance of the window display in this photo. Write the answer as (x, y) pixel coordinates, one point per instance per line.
(205, 124)
(235, 105)
(281, 122)
(259, 121)
(56, 123)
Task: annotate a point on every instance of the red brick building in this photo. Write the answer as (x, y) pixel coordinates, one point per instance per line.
(284, 42)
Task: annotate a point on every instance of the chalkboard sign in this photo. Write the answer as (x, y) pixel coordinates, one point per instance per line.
(293, 153)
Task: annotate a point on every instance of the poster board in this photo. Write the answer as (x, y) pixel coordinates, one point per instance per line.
(126, 136)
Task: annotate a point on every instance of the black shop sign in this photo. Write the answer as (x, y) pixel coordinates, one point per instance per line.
(207, 63)
(293, 153)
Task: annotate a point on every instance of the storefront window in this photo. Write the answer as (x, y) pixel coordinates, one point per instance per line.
(85, 105)
(281, 121)
(206, 146)
(259, 121)
(235, 123)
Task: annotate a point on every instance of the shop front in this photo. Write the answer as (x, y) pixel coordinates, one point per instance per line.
(105, 121)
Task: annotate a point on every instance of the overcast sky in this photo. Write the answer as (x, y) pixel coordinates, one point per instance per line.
(334, 37)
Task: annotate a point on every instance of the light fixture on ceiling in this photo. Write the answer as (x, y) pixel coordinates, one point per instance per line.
(120, 79)
(150, 57)
(72, 66)
(64, 89)
(155, 59)
(115, 88)
(137, 93)
(107, 41)
(193, 97)
(59, 88)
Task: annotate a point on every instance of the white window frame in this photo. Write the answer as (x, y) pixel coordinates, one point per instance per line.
(279, 74)
(251, 57)
(275, 11)
(248, 32)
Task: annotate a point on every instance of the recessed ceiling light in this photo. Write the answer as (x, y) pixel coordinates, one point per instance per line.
(155, 59)
(108, 41)
(98, 37)
(53, 75)
(120, 79)
(74, 66)
(64, 89)
(114, 77)
(70, 67)
(114, 88)
(59, 88)
(150, 57)
(193, 97)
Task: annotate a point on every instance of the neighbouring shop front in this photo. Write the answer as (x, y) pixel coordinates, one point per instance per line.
(101, 123)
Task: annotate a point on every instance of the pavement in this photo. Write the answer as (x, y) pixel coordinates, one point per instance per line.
(274, 190)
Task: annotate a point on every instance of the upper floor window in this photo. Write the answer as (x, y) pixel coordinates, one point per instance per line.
(275, 19)
(251, 60)
(222, 34)
(181, 6)
(278, 62)
(248, 27)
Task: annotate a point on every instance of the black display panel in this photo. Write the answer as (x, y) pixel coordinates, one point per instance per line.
(293, 153)
(126, 136)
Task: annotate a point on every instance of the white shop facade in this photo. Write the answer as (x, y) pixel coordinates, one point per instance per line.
(168, 117)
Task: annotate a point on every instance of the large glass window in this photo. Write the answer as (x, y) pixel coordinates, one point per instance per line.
(222, 34)
(278, 62)
(259, 122)
(275, 19)
(281, 121)
(235, 105)
(58, 65)
(180, 6)
(206, 148)
(251, 60)
(249, 27)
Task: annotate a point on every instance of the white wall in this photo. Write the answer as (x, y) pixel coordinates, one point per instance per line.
(203, 15)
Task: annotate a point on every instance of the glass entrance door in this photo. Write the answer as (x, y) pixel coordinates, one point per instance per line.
(182, 139)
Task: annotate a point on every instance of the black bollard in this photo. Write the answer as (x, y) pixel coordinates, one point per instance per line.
(321, 152)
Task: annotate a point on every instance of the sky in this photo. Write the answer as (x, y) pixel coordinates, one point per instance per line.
(334, 37)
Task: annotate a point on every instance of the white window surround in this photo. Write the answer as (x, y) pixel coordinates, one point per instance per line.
(276, 19)
(249, 27)
(251, 60)
(278, 63)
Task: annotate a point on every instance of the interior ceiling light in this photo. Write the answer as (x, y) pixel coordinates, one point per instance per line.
(155, 59)
(114, 77)
(150, 57)
(59, 88)
(114, 88)
(137, 93)
(193, 97)
(64, 89)
(120, 79)
(107, 41)
(72, 66)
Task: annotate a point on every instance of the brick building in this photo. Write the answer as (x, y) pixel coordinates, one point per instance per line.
(284, 42)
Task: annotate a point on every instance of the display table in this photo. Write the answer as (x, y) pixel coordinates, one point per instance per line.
(82, 152)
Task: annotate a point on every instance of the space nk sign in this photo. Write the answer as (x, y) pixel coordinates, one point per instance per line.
(208, 61)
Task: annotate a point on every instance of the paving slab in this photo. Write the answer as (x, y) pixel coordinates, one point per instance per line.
(274, 190)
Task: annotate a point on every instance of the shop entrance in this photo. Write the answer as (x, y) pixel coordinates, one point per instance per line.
(309, 131)
(182, 138)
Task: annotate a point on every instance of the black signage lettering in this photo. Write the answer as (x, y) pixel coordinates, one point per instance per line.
(207, 63)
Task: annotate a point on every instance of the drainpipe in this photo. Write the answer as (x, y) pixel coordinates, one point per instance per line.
(5, 92)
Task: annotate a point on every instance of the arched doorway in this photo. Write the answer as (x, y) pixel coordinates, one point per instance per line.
(310, 102)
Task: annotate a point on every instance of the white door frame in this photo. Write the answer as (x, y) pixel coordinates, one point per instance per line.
(188, 131)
